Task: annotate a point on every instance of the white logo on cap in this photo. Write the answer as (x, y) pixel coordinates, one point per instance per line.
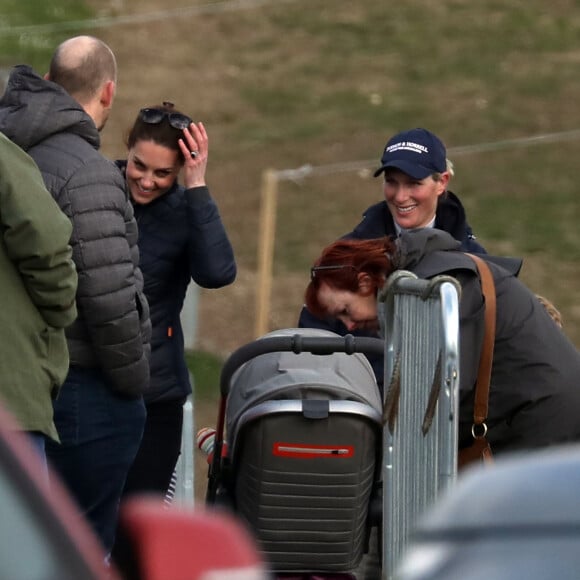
(407, 146)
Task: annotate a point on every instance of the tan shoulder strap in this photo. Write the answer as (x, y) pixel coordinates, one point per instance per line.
(486, 357)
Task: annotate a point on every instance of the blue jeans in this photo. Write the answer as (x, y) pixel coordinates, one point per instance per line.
(38, 442)
(100, 434)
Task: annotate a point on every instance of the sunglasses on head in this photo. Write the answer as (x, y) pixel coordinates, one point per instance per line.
(316, 269)
(154, 116)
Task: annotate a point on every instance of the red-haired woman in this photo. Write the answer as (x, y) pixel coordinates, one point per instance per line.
(534, 396)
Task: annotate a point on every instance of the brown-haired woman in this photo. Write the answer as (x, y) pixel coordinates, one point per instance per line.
(181, 238)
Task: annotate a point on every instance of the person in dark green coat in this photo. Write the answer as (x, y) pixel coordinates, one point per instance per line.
(38, 280)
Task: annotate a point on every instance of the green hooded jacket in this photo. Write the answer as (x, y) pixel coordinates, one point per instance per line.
(38, 282)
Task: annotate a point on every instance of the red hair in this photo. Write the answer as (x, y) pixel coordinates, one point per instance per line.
(340, 263)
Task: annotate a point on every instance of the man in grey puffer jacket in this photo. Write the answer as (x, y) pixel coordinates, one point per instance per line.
(99, 413)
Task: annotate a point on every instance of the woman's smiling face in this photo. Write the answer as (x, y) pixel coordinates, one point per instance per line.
(413, 202)
(151, 170)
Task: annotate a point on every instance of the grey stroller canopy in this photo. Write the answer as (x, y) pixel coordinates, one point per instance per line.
(286, 375)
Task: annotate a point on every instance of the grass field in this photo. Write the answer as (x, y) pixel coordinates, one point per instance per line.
(284, 84)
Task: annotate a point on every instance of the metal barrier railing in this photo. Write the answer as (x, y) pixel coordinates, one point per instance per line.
(420, 322)
(182, 488)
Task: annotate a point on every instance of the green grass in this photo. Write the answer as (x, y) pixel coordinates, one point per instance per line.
(33, 47)
(205, 368)
(511, 54)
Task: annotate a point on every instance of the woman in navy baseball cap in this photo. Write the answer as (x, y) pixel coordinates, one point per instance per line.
(416, 173)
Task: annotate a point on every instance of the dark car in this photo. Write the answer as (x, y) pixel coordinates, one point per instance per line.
(519, 518)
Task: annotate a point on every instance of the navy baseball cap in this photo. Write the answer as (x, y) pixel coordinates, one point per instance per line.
(418, 153)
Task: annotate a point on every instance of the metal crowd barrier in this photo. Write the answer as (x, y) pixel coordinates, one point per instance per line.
(182, 488)
(420, 322)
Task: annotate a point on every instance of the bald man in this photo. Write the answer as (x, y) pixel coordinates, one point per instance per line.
(99, 413)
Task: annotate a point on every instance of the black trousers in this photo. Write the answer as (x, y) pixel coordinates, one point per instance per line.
(159, 451)
(153, 467)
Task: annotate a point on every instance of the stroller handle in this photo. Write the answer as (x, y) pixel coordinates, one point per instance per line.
(297, 343)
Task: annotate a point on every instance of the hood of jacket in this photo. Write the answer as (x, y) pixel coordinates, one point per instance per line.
(32, 109)
(414, 245)
(420, 251)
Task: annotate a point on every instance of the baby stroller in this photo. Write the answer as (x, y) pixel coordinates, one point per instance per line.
(300, 461)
